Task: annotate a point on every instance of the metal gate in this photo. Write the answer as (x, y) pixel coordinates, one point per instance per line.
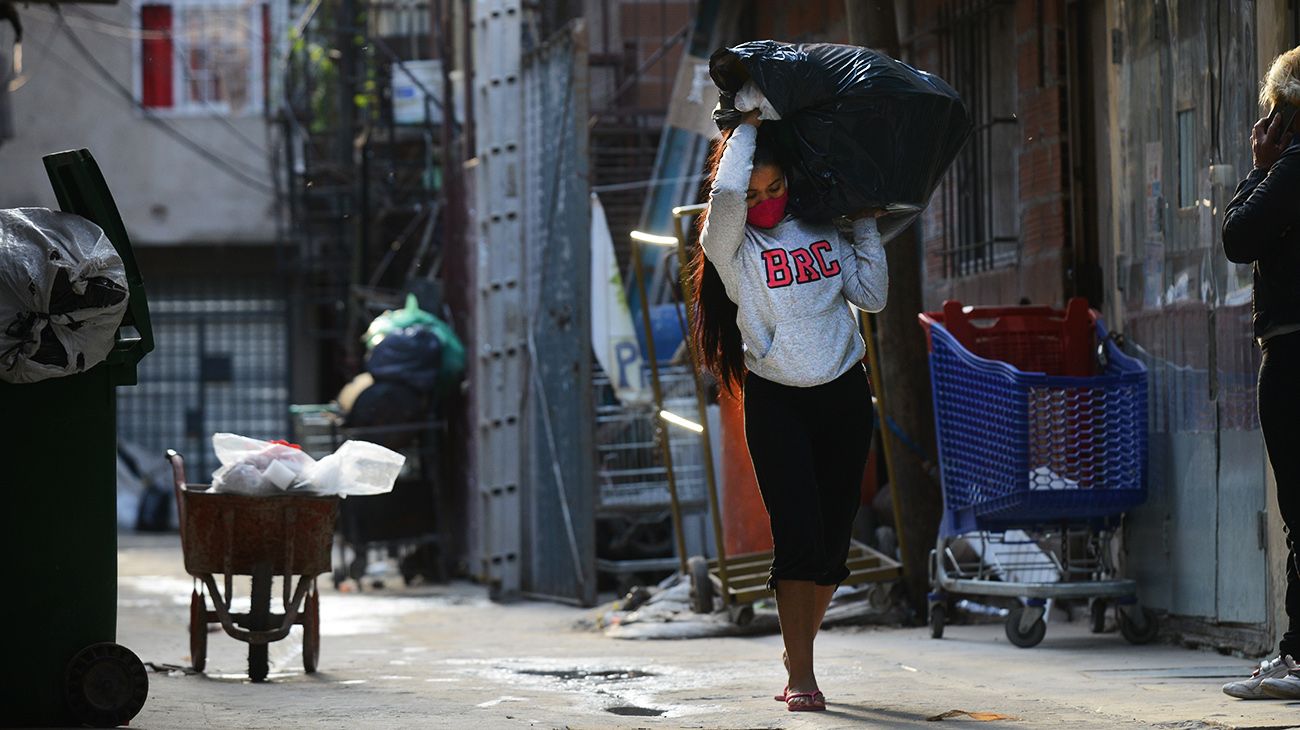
(559, 495)
(221, 364)
(531, 527)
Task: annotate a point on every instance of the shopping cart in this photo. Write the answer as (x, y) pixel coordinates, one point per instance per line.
(262, 537)
(403, 524)
(1042, 429)
(630, 469)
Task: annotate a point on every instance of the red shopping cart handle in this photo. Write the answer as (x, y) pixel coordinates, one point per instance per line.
(1032, 338)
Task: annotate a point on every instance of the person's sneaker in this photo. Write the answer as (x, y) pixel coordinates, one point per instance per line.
(1267, 671)
(1283, 688)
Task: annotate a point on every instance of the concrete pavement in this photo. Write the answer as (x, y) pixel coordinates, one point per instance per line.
(446, 657)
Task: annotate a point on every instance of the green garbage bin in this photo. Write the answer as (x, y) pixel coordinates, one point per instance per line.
(60, 484)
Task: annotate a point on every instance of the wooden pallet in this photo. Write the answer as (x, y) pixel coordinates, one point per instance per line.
(747, 574)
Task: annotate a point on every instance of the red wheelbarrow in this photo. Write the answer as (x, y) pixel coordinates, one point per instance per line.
(261, 537)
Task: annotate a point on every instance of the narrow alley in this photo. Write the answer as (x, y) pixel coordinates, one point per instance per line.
(446, 657)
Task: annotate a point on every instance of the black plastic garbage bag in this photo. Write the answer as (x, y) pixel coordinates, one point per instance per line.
(411, 355)
(858, 129)
(388, 404)
(63, 294)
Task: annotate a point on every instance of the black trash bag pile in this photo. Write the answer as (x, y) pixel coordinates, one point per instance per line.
(63, 293)
(403, 367)
(858, 129)
(387, 403)
(411, 355)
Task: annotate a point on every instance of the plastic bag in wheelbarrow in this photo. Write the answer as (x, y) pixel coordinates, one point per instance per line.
(63, 293)
(858, 129)
(258, 468)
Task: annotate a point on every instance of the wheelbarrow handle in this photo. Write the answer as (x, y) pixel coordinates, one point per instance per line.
(178, 467)
(178, 484)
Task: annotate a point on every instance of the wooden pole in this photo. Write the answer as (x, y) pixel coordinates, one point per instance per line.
(902, 366)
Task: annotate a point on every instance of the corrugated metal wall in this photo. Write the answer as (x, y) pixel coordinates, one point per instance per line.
(1185, 107)
(531, 523)
(559, 494)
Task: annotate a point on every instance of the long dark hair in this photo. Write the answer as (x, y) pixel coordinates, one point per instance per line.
(714, 331)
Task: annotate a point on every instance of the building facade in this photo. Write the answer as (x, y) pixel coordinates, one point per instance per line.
(171, 98)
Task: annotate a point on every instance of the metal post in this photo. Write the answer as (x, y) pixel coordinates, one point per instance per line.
(710, 478)
(661, 433)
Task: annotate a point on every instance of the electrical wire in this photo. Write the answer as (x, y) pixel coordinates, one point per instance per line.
(121, 31)
(247, 179)
(87, 20)
(213, 112)
(648, 183)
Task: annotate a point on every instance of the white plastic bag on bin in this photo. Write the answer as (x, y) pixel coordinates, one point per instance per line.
(63, 293)
(253, 467)
(357, 469)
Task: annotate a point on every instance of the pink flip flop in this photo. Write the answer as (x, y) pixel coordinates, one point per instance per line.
(815, 702)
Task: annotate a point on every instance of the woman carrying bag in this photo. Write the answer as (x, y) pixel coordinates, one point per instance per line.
(773, 316)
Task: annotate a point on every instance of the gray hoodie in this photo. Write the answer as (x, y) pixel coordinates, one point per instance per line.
(792, 283)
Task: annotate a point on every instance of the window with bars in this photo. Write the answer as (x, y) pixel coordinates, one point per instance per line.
(205, 56)
(980, 201)
(222, 363)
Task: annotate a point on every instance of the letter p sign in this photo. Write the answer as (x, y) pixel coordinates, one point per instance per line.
(627, 354)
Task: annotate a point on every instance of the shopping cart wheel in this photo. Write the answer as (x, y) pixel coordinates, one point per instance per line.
(1138, 624)
(311, 631)
(938, 617)
(105, 685)
(198, 631)
(1097, 615)
(701, 585)
(1024, 638)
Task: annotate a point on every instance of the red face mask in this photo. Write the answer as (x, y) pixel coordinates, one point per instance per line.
(768, 213)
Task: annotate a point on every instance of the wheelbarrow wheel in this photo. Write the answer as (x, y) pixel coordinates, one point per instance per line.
(311, 631)
(701, 585)
(259, 614)
(258, 664)
(105, 685)
(198, 631)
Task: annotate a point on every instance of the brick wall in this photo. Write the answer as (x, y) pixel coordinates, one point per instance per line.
(808, 21)
(1043, 157)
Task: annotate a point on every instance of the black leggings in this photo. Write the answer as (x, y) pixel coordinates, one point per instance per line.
(809, 447)
(1279, 401)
